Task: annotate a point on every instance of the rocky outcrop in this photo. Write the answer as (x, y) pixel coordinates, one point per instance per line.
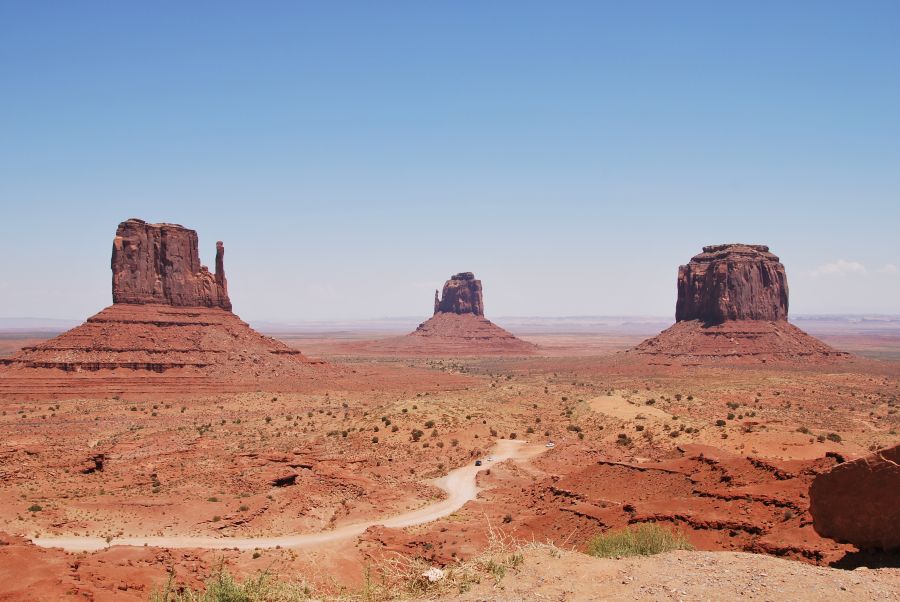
(732, 282)
(160, 263)
(858, 502)
(461, 295)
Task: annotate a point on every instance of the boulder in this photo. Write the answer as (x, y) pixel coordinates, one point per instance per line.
(858, 502)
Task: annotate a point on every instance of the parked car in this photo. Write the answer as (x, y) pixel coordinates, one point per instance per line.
(551, 444)
(477, 462)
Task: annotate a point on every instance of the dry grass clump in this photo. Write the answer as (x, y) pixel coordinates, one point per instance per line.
(223, 587)
(643, 539)
(403, 578)
(394, 578)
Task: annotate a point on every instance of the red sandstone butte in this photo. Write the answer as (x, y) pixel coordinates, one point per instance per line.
(170, 328)
(733, 304)
(160, 263)
(462, 294)
(732, 282)
(858, 502)
(457, 328)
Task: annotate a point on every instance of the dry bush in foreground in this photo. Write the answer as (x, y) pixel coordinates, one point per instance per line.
(644, 539)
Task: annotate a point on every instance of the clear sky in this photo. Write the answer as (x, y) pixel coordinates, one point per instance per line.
(354, 155)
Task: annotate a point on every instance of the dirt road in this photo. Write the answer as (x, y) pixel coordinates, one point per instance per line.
(460, 485)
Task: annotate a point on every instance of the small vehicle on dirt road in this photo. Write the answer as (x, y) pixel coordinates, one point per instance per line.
(477, 462)
(550, 444)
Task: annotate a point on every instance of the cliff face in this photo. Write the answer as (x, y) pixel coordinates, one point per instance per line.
(461, 295)
(732, 282)
(160, 264)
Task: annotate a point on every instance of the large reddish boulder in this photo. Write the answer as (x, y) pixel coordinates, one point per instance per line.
(461, 295)
(160, 263)
(858, 502)
(732, 282)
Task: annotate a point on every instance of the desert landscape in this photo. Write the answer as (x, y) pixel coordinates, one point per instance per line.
(165, 439)
(522, 301)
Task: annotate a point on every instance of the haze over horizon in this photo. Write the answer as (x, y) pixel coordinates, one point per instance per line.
(353, 157)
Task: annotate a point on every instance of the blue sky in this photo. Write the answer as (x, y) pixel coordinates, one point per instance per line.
(354, 155)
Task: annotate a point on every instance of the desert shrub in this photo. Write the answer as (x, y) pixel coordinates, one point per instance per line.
(513, 435)
(833, 437)
(35, 508)
(429, 424)
(529, 430)
(803, 430)
(416, 434)
(720, 422)
(643, 539)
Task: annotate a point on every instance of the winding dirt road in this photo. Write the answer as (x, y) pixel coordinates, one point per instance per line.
(459, 484)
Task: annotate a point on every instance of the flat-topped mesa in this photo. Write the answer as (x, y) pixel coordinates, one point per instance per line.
(461, 295)
(732, 282)
(160, 264)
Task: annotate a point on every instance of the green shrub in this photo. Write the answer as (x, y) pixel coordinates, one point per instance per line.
(643, 539)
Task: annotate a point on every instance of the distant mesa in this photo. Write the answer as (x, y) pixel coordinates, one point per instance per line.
(170, 324)
(733, 304)
(457, 328)
(858, 502)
